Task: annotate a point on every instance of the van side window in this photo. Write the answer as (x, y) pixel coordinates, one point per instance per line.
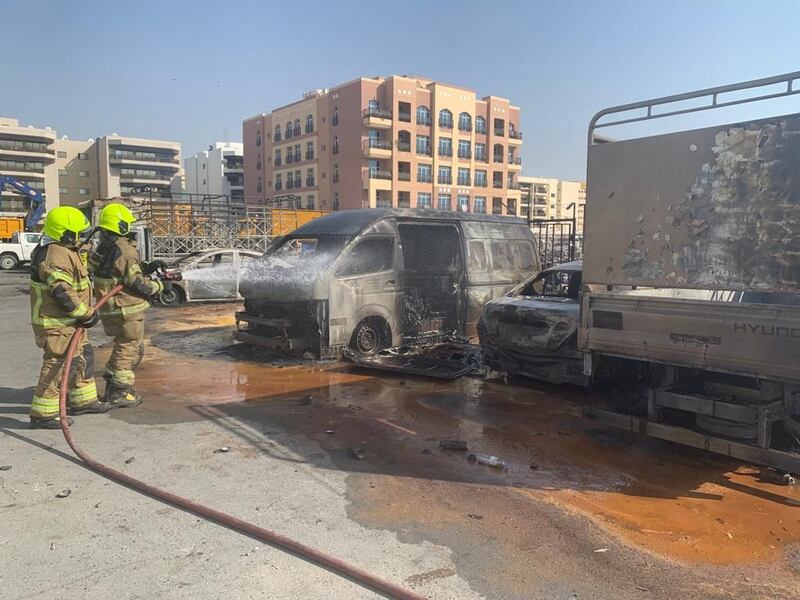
(478, 261)
(512, 255)
(371, 255)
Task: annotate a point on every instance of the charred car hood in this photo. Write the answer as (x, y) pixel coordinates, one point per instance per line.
(275, 280)
(530, 322)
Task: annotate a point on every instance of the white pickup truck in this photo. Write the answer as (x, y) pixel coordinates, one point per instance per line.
(18, 250)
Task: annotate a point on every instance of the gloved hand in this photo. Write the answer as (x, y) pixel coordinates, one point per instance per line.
(90, 319)
(168, 287)
(153, 266)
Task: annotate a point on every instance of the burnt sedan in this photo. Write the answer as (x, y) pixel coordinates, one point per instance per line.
(532, 330)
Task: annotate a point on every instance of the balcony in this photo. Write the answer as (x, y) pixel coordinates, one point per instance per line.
(445, 124)
(463, 181)
(498, 158)
(289, 159)
(380, 174)
(377, 179)
(374, 148)
(465, 154)
(309, 156)
(444, 151)
(404, 117)
(497, 184)
(278, 162)
(377, 118)
(404, 146)
(481, 158)
(310, 182)
(481, 183)
(309, 128)
(514, 137)
(27, 150)
(514, 163)
(275, 138)
(297, 157)
(425, 177)
(445, 179)
(296, 132)
(513, 185)
(404, 175)
(145, 177)
(139, 158)
(424, 150)
(11, 167)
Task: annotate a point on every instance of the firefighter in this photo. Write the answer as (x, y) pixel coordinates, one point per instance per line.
(116, 260)
(60, 301)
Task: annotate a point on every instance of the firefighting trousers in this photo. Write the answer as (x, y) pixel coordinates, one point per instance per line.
(82, 389)
(128, 350)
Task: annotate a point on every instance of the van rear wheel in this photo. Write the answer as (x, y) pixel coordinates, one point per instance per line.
(371, 336)
(8, 262)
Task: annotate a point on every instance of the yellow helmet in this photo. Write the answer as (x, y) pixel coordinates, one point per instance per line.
(117, 218)
(65, 224)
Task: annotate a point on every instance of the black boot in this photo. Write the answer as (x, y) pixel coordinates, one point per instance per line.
(49, 423)
(121, 396)
(93, 408)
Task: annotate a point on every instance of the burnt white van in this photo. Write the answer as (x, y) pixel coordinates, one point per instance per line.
(373, 278)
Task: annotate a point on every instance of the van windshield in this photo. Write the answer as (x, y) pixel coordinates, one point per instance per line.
(321, 249)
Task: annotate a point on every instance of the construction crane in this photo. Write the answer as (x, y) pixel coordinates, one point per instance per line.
(35, 204)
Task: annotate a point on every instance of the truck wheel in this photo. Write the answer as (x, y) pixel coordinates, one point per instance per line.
(8, 262)
(371, 336)
(172, 298)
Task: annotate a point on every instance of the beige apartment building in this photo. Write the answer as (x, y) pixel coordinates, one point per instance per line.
(28, 155)
(548, 198)
(398, 141)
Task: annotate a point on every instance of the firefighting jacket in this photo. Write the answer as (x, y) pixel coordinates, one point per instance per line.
(60, 288)
(117, 261)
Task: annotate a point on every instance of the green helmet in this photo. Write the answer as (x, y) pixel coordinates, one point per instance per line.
(65, 224)
(116, 218)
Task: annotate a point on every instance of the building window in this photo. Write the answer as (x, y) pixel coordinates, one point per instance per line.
(278, 159)
(464, 149)
(288, 132)
(498, 153)
(445, 175)
(443, 202)
(63, 190)
(296, 129)
(404, 141)
(335, 117)
(258, 137)
(289, 180)
(497, 206)
(465, 122)
(424, 173)
(83, 156)
(310, 128)
(61, 154)
(403, 199)
(463, 176)
(480, 152)
(424, 144)
(310, 178)
(204, 166)
(335, 173)
(497, 179)
(258, 164)
(298, 182)
(336, 144)
(511, 205)
(372, 107)
(83, 173)
(445, 146)
(310, 204)
(423, 200)
(309, 150)
(480, 127)
(297, 157)
(510, 183)
(480, 204)
(83, 191)
(275, 138)
(278, 185)
(480, 178)
(463, 203)
(335, 200)
(404, 112)
(445, 119)
(62, 172)
(499, 127)
(258, 186)
(423, 115)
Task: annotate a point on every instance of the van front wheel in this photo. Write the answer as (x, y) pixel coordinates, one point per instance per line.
(371, 336)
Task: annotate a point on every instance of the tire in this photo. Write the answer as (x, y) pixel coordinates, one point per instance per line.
(175, 298)
(370, 336)
(8, 262)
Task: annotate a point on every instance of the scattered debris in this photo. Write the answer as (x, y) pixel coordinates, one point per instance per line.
(729, 535)
(52, 545)
(97, 505)
(721, 521)
(776, 477)
(222, 450)
(5, 467)
(600, 550)
(486, 459)
(130, 460)
(353, 406)
(427, 451)
(306, 400)
(444, 361)
(533, 466)
(64, 493)
(459, 445)
(476, 517)
(330, 431)
(308, 356)
(358, 453)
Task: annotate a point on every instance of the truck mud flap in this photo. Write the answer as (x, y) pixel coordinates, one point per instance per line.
(443, 361)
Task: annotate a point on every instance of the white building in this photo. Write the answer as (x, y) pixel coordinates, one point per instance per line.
(217, 171)
(27, 154)
(549, 198)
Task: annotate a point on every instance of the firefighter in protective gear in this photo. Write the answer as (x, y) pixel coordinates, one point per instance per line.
(60, 301)
(115, 261)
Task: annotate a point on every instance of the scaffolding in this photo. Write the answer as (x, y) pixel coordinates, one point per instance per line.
(183, 223)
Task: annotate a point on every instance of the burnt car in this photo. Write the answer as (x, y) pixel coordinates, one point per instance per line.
(212, 275)
(532, 331)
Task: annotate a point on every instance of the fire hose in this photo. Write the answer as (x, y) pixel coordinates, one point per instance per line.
(334, 564)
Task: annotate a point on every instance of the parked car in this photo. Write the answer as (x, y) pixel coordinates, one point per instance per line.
(220, 282)
(18, 251)
(374, 278)
(532, 331)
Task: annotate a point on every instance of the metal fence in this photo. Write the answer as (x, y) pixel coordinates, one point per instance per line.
(557, 240)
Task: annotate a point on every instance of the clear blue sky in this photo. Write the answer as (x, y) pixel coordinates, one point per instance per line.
(191, 71)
